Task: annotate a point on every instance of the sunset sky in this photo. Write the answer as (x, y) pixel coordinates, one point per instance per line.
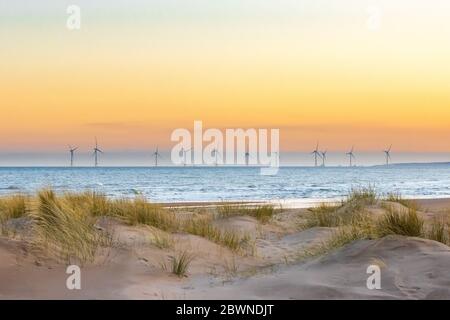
(315, 69)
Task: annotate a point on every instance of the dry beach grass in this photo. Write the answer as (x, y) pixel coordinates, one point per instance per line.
(131, 238)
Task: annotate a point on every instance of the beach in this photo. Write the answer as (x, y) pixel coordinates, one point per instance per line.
(285, 254)
(224, 150)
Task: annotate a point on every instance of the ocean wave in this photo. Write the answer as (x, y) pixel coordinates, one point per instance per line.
(11, 188)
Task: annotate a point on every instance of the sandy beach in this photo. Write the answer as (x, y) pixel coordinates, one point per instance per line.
(275, 263)
(224, 150)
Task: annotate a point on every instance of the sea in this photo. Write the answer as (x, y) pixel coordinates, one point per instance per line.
(291, 186)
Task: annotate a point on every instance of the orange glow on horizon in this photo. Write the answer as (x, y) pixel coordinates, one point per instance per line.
(131, 86)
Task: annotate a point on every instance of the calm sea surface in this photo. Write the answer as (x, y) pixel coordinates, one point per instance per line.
(180, 184)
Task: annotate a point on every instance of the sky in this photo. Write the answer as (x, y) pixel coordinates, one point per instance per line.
(342, 72)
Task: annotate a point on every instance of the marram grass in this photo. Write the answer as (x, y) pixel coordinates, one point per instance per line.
(263, 213)
(139, 211)
(66, 232)
(439, 229)
(397, 197)
(64, 225)
(203, 227)
(404, 222)
(352, 222)
(365, 195)
(13, 207)
(179, 263)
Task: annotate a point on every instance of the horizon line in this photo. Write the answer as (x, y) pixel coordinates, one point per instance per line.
(230, 166)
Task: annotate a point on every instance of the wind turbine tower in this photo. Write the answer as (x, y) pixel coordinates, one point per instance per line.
(324, 157)
(351, 155)
(215, 153)
(96, 151)
(388, 155)
(156, 154)
(184, 151)
(316, 154)
(72, 151)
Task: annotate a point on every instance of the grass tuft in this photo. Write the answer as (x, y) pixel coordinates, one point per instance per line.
(179, 263)
(331, 216)
(439, 230)
(262, 213)
(13, 207)
(397, 197)
(66, 232)
(325, 215)
(94, 203)
(400, 222)
(363, 195)
(203, 227)
(358, 228)
(162, 240)
(139, 211)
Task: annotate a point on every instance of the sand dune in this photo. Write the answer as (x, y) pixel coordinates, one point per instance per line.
(411, 268)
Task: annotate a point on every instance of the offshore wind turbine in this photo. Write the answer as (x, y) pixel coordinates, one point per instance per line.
(324, 157)
(316, 154)
(156, 154)
(388, 154)
(72, 151)
(351, 155)
(215, 153)
(184, 151)
(96, 151)
(250, 156)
